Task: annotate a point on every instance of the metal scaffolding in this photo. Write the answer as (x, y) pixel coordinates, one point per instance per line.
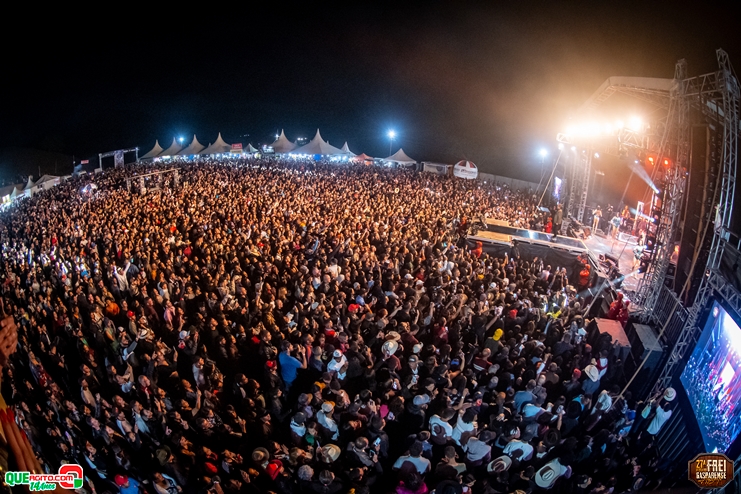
(581, 172)
(717, 95)
(672, 181)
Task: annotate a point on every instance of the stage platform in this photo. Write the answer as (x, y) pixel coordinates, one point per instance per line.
(622, 249)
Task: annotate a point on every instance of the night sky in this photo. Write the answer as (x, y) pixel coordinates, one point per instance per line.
(489, 83)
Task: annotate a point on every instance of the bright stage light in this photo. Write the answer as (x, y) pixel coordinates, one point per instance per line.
(619, 124)
(391, 134)
(543, 153)
(666, 162)
(181, 140)
(635, 123)
(560, 146)
(596, 155)
(573, 148)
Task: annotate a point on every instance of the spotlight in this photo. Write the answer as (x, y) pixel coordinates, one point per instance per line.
(573, 148)
(560, 146)
(596, 155)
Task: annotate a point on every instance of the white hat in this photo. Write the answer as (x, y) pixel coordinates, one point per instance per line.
(417, 348)
(421, 399)
(393, 335)
(549, 473)
(332, 451)
(390, 347)
(337, 353)
(670, 394)
(499, 465)
(183, 335)
(592, 372)
(327, 406)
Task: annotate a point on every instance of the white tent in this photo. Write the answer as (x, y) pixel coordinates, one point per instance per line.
(156, 151)
(46, 182)
(318, 146)
(194, 147)
(29, 184)
(400, 157)
(345, 149)
(282, 145)
(173, 149)
(251, 149)
(218, 147)
(16, 192)
(465, 169)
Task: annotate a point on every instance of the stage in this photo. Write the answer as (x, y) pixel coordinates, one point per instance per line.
(622, 249)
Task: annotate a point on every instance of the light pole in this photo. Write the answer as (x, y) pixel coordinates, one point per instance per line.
(392, 135)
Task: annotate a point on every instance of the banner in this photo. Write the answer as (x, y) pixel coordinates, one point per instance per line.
(236, 148)
(118, 158)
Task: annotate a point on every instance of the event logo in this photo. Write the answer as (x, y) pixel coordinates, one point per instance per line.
(711, 470)
(69, 477)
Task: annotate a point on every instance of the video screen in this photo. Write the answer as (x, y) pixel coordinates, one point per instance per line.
(712, 379)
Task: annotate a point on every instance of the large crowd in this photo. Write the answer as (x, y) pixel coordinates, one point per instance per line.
(266, 326)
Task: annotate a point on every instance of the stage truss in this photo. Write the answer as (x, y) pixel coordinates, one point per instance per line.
(155, 180)
(715, 96)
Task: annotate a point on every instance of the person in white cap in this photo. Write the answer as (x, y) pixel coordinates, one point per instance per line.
(325, 419)
(338, 365)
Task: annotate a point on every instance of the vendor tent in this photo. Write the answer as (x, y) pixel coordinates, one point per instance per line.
(251, 149)
(46, 182)
(29, 184)
(465, 169)
(282, 145)
(363, 158)
(172, 150)
(345, 149)
(400, 157)
(156, 151)
(194, 147)
(218, 147)
(317, 146)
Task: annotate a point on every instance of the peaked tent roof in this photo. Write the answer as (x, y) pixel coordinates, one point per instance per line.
(217, 147)
(173, 149)
(16, 192)
(362, 157)
(47, 178)
(194, 147)
(400, 157)
(156, 151)
(318, 146)
(282, 144)
(29, 184)
(346, 149)
(251, 149)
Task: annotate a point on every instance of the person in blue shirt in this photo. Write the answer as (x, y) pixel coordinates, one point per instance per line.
(290, 365)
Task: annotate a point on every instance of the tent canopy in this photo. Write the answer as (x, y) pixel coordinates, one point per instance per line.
(29, 184)
(466, 169)
(218, 147)
(173, 149)
(194, 147)
(47, 178)
(400, 157)
(155, 151)
(362, 157)
(345, 149)
(318, 146)
(282, 144)
(251, 149)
